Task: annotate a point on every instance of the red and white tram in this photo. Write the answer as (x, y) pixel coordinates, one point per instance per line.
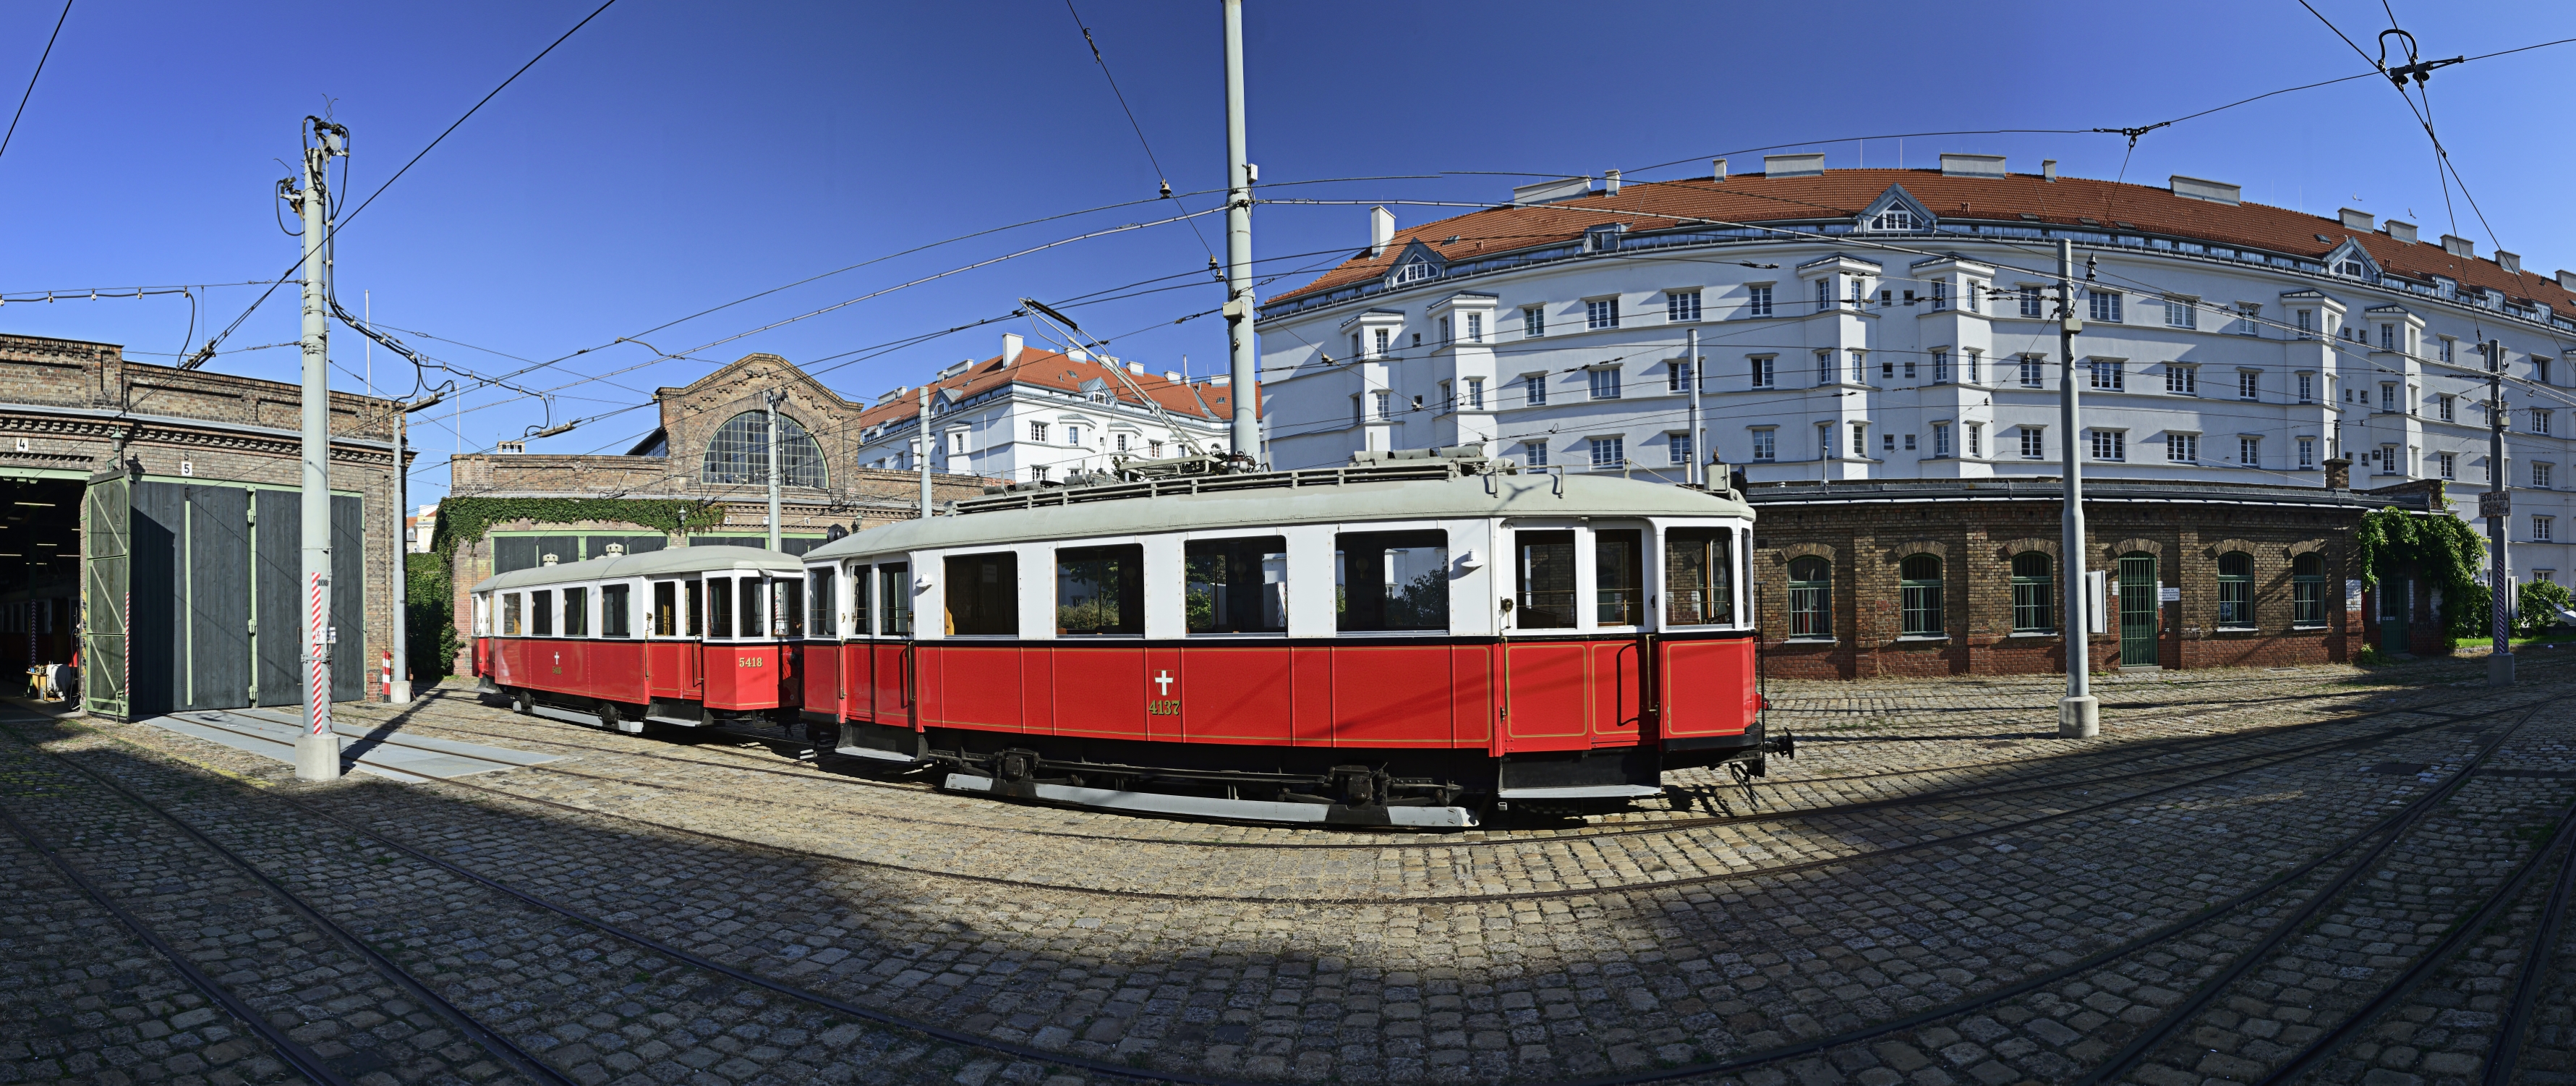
(694, 636)
(1403, 641)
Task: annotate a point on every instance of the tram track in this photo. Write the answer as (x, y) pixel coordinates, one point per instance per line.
(2045, 779)
(2387, 832)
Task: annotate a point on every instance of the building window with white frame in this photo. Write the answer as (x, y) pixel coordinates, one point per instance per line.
(1824, 368)
(2179, 448)
(1976, 441)
(1601, 313)
(1972, 366)
(1072, 434)
(1941, 439)
(1940, 295)
(1475, 328)
(2307, 454)
(2249, 384)
(2307, 387)
(2448, 464)
(1609, 452)
(2388, 337)
(2110, 444)
(2032, 446)
(1677, 447)
(2388, 462)
(1859, 366)
(1681, 305)
(2447, 344)
(1940, 367)
(2540, 421)
(1533, 321)
(2249, 319)
(2539, 476)
(2108, 375)
(1038, 432)
(1825, 449)
(1385, 404)
(2182, 380)
(1603, 382)
(1534, 454)
(1476, 393)
(1677, 375)
(1534, 390)
(1824, 295)
(2249, 452)
(1757, 301)
(2542, 529)
(2032, 375)
(1378, 346)
(2446, 408)
(1766, 443)
(2029, 297)
(1860, 441)
(2105, 305)
(1765, 373)
(2182, 313)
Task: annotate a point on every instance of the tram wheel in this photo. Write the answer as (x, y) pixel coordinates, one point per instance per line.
(520, 703)
(610, 717)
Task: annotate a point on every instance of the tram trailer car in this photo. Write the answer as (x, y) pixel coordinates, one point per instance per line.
(1400, 642)
(692, 637)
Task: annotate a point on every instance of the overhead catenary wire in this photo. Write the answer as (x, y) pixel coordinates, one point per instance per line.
(1150, 157)
(30, 92)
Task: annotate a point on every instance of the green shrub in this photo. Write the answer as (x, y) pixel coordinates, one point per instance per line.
(2537, 607)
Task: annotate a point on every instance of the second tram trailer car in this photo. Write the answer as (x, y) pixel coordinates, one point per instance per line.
(1409, 641)
(693, 636)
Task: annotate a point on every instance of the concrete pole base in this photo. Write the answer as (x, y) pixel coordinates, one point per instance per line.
(2079, 718)
(400, 694)
(2500, 669)
(317, 757)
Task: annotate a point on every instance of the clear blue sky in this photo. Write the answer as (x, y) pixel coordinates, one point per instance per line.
(672, 157)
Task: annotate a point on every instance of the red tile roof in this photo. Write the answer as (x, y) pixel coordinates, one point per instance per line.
(1201, 399)
(2015, 198)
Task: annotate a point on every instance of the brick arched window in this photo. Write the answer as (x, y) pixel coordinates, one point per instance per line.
(2034, 594)
(740, 453)
(1920, 583)
(1811, 598)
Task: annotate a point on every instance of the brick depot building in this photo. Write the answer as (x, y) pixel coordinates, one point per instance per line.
(151, 520)
(1925, 578)
(708, 455)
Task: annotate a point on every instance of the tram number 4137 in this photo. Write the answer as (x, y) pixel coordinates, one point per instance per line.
(1163, 707)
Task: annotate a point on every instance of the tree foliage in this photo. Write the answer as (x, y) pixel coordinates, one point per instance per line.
(464, 520)
(2445, 547)
(2540, 603)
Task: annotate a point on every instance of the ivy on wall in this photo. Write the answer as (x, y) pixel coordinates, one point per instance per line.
(2445, 547)
(463, 521)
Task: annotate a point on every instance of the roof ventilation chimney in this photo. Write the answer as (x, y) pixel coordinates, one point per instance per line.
(2509, 262)
(1609, 182)
(1972, 165)
(1718, 167)
(2048, 168)
(2567, 280)
(2402, 231)
(1012, 345)
(2459, 246)
(1806, 165)
(2216, 192)
(2355, 220)
(1381, 230)
(1559, 189)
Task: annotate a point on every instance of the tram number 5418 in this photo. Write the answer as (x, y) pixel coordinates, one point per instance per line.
(1163, 707)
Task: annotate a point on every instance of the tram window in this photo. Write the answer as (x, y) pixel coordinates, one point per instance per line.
(983, 595)
(510, 615)
(541, 613)
(826, 604)
(482, 616)
(1699, 568)
(666, 609)
(696, 609)
(1545, 563)
(576, 621)
(616, 615)
(1236, 585)
(1391, 580)
(1619, 577)
(894, 589)
(787, 607)
(860, 580)
(1100, 590)
(719, 607)
(748, 624)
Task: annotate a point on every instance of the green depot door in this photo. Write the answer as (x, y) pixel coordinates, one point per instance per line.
(2139, 610)
(2396, 598)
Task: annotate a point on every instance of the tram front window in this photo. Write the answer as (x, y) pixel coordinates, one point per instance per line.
(748, 624)
(1391, 580)
(1619, 577)
(1237, 585)
(823, 620)
(1545, 563)
(1699, 567)
(666, 609)
(894, 591)
(787, 607)
(1100, 590)
(983, 595)
(719, 606)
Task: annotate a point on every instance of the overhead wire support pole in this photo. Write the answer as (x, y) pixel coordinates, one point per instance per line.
(1245, 437)
(1698, 474)
(2496, 505)
(2079, 713)
(317, 749)
(771, 398)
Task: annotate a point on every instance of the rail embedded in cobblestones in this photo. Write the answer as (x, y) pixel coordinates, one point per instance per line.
(2534, 967)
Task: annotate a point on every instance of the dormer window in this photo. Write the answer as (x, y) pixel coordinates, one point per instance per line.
(2352, 268)
(1602, 239)
(1414, 271)
(1894, 218)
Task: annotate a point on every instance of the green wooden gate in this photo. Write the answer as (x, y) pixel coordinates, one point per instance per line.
(107, 516)
(2139, 610)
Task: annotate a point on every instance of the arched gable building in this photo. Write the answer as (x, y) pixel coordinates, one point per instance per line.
(1882, 343)
(700, 478)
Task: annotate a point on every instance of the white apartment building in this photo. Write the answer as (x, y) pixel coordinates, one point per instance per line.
(1034, 415)
(1900, 324)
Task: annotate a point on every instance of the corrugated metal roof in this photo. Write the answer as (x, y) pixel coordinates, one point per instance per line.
(661, 563)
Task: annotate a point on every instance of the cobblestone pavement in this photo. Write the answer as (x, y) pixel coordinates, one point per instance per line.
(1936, 891)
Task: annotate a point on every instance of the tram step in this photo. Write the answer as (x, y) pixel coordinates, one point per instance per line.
(1211, 807)
(1593, 791)
(872, 752)
(566, 715)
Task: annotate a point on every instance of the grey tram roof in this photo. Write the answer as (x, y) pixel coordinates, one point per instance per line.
(661, 563)
(1274, 499)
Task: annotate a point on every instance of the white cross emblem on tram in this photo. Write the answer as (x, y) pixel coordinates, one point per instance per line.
(1163, 682)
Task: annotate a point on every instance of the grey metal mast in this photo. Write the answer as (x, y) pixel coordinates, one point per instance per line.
(1699, 440)
(772, 399)
(2496, 505)
(2079, 712)
(317, 749)
(1246, 432)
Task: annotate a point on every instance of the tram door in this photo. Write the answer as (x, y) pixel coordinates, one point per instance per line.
(2140, 611)
(890, 686)
(671, 658)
